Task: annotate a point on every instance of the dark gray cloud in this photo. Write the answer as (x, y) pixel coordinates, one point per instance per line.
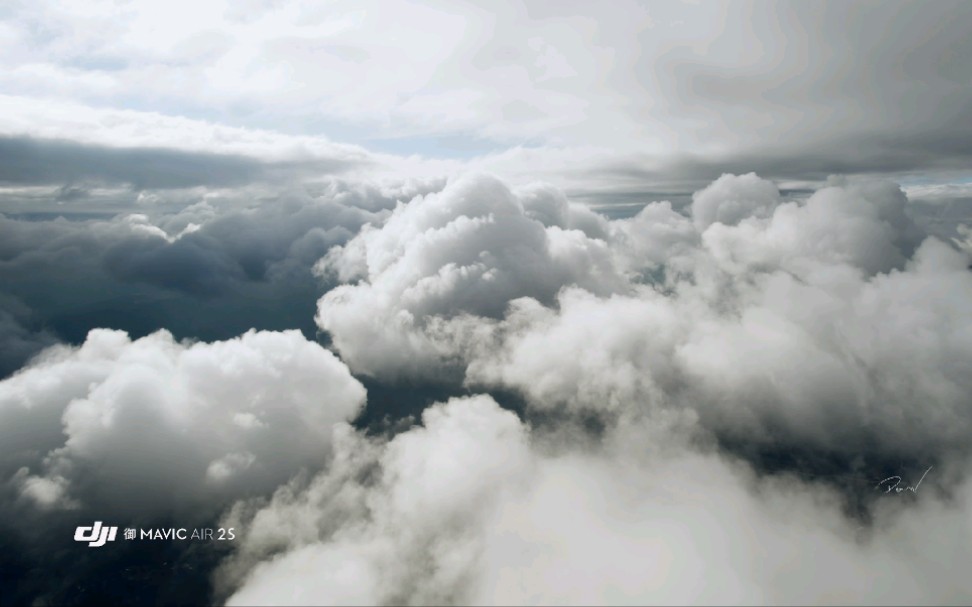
(20, 336)
(33, 161)
(207, 270)
(75, 276)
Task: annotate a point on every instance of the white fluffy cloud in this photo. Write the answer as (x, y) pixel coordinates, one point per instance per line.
(153, 427)
(771, 320)
(862, 225)
(670, 363)
(469, 249)
(823, 330)
(386, 525)
(732, 198)
(470, 509)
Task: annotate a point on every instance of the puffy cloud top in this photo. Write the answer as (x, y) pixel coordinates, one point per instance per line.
(154, 426)
(732, 198)
(470, 249)
(769, 320)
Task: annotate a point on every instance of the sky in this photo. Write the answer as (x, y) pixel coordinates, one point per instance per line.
(487, 303)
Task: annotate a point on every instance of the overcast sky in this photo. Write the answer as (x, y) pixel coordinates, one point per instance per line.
(487, 303)
(621, 99)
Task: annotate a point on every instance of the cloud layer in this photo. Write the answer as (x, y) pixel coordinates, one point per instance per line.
(821, 321)
(208, 264)
(293, 269)
(823, 344)
(701, 402)
(624, 101)
(468, 509)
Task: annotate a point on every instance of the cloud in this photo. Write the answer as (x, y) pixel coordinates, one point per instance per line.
(20, 340)
(691, 402)
(682, 94)
(57, 125)
(759, 369)
(474, 508)
(703, 393)
(208, 264)
(469, 249)
(863, 225)
(942, 209)
(33, 161)
(153, 427)
(783, 325)
(153, 433)
(732, 198)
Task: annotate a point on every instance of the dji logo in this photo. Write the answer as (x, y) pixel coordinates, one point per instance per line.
(95, 536)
